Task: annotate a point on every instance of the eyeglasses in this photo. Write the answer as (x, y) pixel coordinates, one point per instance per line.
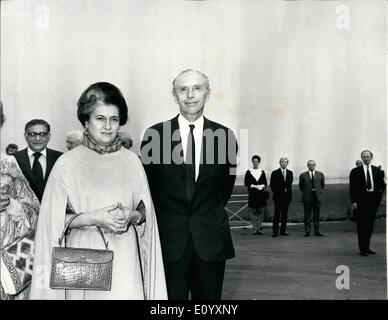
(40, 134)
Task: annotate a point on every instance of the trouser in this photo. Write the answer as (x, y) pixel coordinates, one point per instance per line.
(256, 216)
(280, 214)
(365, 219)
(203, 279)
(314, 207)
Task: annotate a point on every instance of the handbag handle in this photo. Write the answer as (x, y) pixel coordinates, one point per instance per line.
(63, 235)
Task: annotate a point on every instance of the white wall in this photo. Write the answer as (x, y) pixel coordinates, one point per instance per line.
(306, 78)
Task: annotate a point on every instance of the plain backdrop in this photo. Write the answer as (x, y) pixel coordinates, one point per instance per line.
(303, 79)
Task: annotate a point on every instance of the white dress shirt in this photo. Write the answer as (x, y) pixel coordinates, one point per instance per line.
(284, 173)
(184, 128)
(371, 176)
(42, 159)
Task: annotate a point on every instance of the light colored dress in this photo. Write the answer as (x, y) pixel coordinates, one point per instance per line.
(91, 181)
(20, 216)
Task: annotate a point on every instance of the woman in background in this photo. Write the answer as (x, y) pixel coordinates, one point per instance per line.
(19, 208)
(107, 184)
(256, 182)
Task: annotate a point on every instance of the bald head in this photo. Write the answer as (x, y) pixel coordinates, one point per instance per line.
(74, 139)
(191, 91)
(191, 73)
(126, 140)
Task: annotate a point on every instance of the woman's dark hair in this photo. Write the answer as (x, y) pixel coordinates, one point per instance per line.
(104, 92)
(256, 157)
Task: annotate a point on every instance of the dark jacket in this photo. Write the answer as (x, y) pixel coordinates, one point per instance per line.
(25, 166)
(305, 185)
(357, 184)
(282, 190)
(204, 217)
(256, 198)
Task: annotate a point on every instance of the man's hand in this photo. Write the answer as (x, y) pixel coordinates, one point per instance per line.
(354, 206)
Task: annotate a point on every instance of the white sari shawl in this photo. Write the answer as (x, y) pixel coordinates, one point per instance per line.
(63, 186)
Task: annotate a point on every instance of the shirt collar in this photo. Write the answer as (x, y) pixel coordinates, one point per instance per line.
(30, 152)
(184, 123)
(366, 167)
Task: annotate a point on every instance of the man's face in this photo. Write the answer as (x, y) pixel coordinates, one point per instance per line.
(71, 143)
(11, 151)
(190, 92)
(37, 137)
(284, 163)
(311, 165)
(366, 157)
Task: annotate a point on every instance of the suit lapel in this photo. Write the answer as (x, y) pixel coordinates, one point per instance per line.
(177, 138)
(25, 166)
(49, 163)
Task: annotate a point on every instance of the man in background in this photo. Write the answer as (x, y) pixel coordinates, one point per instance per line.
(366, 186)
(74, 139)
(126, 140)
(11, 149)
(311, 183)
(36, 161)
(358, 163)
(281, 185)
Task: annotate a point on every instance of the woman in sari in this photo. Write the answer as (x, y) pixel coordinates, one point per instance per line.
(107, 184)
(19, 209)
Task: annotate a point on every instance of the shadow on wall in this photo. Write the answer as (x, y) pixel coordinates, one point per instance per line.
(335, 204)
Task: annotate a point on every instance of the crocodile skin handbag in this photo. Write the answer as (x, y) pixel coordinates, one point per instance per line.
(81, 268)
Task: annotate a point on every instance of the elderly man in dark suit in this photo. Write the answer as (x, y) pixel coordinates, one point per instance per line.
(311, 183)
(190, 164)
(36, 161)
(366, 185)
(281, 185)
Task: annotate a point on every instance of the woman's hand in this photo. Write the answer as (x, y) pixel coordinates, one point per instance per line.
(127, 218)
(110, 217)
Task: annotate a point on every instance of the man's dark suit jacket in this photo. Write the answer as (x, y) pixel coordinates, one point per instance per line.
(278, 185)
(25, 166)
(204, 217)
(306, 186)
(357, 184)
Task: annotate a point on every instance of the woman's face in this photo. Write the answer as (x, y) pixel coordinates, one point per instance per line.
(103, 123)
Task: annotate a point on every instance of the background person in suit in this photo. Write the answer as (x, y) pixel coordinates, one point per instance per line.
(281, 185)
(190, 193)
(256, 182)
(11, 149)
(311, 183)
(366, 186)
(36, 161)
(358, 163)
(74, 139)
(126, 140)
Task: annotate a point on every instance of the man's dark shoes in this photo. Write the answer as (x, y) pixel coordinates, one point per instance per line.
(370, 252)
(307, 234)
(284, 234)
(364, 254)
(318, 234)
